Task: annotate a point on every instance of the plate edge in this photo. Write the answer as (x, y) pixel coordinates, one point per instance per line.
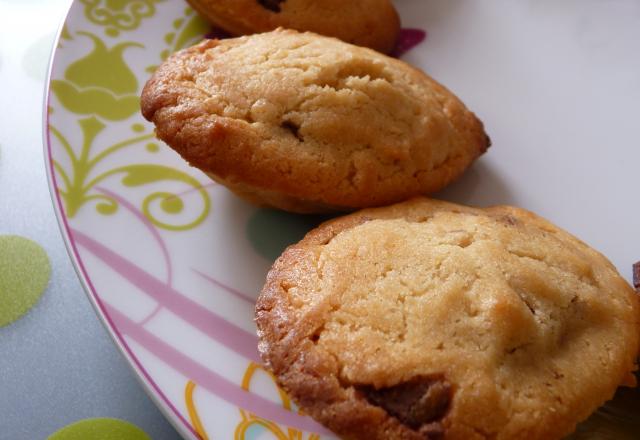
(142, 376)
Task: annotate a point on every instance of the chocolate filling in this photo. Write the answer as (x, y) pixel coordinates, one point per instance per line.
(420, 403)
(293, 128)
(636, 276)
(509, 219)
(272, 5)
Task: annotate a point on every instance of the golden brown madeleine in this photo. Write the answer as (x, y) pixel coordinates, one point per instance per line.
(369, 23)
(426, 318)
(310, 124)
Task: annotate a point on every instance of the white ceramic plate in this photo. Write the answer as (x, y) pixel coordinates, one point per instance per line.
(173, 262)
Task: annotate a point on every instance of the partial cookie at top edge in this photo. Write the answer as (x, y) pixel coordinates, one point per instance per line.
(369, 23)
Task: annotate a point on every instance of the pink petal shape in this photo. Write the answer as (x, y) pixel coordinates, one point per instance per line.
(408, 39)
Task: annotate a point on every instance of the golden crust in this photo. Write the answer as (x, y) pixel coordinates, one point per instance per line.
(517, 315)
(312, 121)
(369, 23)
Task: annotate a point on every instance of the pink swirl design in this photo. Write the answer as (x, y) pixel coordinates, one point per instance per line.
(226, 333)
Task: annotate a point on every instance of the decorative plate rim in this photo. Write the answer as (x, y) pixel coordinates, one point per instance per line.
(150, 387)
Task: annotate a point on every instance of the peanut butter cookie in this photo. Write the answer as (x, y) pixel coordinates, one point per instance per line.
(370, 23)
(308, 123)
(428, 320)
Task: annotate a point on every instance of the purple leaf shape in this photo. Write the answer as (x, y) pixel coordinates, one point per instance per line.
(407, 40)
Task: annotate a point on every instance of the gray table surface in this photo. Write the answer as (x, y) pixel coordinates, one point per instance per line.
(57, 364)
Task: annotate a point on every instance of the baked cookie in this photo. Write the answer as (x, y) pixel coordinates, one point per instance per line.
(370, 23)
(311, 124)
(427, 319)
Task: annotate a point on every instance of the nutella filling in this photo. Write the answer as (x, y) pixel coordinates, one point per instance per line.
(420, 403)
(272, 5)
(636, 276)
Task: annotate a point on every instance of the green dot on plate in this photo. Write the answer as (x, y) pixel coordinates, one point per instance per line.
(270, 231)
(137, 127)
(172, 205)
(35, 58)
(24, 275)
(152, 148)
(100, 429)
(112, 32)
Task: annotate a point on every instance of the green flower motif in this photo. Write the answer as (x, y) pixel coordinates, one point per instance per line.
(101, 89)
(118, 15)
(185, 31)
(78, 184)
(100, 83)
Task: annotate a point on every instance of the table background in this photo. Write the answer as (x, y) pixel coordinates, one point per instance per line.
(57, 364)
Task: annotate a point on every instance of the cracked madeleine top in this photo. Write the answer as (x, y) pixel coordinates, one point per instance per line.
(427, 319)
(370, 23)
(309, 123)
